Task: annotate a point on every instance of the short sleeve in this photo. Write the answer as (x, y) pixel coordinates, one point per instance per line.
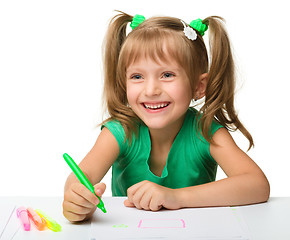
(204, 146)
(117, 130)
(215, 126)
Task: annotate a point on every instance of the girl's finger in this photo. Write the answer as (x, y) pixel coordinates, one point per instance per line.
(127, 203)
(83, 196)
(100, 189)
(73, 217)
(154, 204)
(74, 208)
(131, 191)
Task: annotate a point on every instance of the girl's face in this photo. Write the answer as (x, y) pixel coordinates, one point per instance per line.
(158, 92)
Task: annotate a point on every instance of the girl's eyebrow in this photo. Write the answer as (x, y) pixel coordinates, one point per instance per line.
(161, 68)
(130, 69)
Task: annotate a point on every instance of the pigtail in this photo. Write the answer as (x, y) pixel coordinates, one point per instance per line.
(115, 37)
(219, 100)
(114, 85)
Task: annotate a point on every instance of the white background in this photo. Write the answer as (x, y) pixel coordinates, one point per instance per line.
(51, 83)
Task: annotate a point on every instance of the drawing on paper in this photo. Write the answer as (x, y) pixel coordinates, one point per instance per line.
(120, 226)
(161, 223)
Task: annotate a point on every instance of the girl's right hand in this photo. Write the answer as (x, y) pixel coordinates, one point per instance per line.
(79, 202)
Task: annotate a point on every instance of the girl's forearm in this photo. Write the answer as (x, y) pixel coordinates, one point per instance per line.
(237, 190)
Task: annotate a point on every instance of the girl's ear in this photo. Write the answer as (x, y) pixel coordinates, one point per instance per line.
(201, 86)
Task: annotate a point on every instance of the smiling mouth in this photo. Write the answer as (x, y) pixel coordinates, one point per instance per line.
(155, 106)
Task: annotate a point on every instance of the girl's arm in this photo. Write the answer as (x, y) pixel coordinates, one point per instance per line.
(246, 183)
(101, 157)
(79, 203)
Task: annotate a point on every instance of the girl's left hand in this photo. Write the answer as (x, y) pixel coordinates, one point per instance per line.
(151, 196)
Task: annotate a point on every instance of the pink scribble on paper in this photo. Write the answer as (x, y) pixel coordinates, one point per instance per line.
(161, 223)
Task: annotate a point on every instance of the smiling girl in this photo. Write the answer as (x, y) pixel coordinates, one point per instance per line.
(163, 152)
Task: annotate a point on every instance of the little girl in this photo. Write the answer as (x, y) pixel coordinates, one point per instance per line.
(163, 153)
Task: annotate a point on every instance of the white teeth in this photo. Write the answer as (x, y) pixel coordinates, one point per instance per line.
(156, 106)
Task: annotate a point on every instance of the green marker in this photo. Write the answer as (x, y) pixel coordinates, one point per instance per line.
(83, 179)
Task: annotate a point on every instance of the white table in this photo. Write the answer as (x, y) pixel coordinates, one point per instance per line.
(266, 221)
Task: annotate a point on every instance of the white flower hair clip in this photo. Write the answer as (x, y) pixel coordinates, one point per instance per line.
(189, 32)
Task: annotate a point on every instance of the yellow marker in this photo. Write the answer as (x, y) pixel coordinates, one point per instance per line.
(50, 223)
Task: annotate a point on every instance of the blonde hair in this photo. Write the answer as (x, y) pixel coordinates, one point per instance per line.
(120, 50)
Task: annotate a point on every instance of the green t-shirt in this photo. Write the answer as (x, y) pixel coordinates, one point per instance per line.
(189, 162)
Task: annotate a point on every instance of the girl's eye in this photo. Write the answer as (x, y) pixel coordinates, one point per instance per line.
(168, 75)
(136, 77)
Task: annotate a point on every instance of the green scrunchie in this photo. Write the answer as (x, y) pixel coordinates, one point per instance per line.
(199, 26)
(137, 20)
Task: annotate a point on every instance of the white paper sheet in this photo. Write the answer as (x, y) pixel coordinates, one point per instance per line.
(9, 224)
(222, 223)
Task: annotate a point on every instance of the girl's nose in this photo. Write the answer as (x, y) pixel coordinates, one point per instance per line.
(152, 88)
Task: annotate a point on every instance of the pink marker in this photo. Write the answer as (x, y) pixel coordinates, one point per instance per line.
(23, 216)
